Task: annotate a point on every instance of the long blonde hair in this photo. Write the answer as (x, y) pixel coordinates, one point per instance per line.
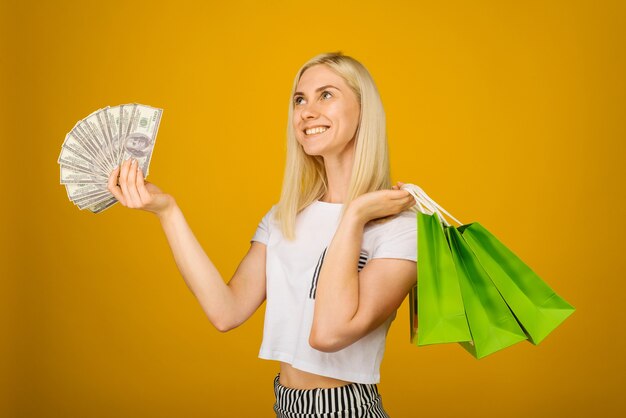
(304, 179)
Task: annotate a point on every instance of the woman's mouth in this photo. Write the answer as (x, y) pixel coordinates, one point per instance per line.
(316, 130)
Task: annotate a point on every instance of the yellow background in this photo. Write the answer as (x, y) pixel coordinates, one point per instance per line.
(507, 113)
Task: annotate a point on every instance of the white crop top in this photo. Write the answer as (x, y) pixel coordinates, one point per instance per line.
(291, 270)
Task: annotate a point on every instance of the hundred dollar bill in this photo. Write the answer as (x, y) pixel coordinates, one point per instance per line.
(69, 158)
(79, 147)
(103, 123)
(75, 191)
(91, 200)
(77, 169)
(99, 207)
(141, 134)
(97, 144)
(112, 117)
(92, 129)
(88, 145)
(71, 175)
(126, 114)
(94, 200)
(94, 194)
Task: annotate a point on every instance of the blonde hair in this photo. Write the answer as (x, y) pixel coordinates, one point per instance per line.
(304, 179)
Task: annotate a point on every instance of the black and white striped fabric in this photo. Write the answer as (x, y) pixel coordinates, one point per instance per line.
(355, 400)
(362, 261)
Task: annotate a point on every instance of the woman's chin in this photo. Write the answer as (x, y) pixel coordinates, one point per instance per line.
(312, 151)
(311, 148)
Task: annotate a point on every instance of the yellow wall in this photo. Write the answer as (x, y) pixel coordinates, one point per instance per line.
(508, 114)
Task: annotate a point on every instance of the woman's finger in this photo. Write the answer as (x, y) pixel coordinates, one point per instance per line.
(132, 186)
(400, 194)
(410, 197)
(122, 181)
(141, 188)
(406, 200)
(114, 188)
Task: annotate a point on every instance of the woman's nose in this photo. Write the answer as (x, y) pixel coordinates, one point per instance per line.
(309, 111)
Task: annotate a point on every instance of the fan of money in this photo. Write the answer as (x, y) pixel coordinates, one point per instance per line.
(98, 144)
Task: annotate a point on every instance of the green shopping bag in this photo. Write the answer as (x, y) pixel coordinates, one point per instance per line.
(491, 322)
(436, 300)
(536, 306)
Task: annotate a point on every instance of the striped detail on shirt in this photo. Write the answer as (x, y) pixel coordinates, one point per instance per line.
(318, 267)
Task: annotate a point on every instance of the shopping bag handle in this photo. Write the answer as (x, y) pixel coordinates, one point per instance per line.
(425, 204)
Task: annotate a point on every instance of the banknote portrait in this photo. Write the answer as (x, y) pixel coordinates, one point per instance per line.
(138, 144)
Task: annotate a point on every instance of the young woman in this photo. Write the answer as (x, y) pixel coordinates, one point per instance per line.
(334, 257)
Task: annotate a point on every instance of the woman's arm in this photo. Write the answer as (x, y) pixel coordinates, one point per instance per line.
(226, 306)
(350, 304)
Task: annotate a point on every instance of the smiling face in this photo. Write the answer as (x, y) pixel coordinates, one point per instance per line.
(325, 112)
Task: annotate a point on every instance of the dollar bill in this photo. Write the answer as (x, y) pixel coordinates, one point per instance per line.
(71, 158)
(99, 143)
(79, 146)
(141, 133)
(75, 191)
(92, 129)
(73, 175)
(99, 207)
(93, 200)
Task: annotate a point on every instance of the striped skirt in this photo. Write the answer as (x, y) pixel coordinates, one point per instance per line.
(348, 401)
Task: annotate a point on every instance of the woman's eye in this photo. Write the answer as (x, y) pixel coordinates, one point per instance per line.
(326, 92)
(296, 100)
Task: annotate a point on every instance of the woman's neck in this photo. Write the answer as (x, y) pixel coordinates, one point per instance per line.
(338, 172)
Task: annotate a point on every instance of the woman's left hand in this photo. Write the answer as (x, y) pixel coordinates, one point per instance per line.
(381, 203)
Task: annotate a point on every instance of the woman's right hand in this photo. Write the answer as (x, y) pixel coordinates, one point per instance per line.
(128, 186)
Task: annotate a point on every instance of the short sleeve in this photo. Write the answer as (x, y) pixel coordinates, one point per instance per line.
(262, 232)
(399, 240)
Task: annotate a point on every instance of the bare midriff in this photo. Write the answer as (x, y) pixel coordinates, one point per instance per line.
(298, 379)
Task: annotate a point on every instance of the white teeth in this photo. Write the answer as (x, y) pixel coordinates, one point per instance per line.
(317, 130)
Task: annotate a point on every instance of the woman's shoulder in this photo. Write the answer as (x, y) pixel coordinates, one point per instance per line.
(394, 238)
